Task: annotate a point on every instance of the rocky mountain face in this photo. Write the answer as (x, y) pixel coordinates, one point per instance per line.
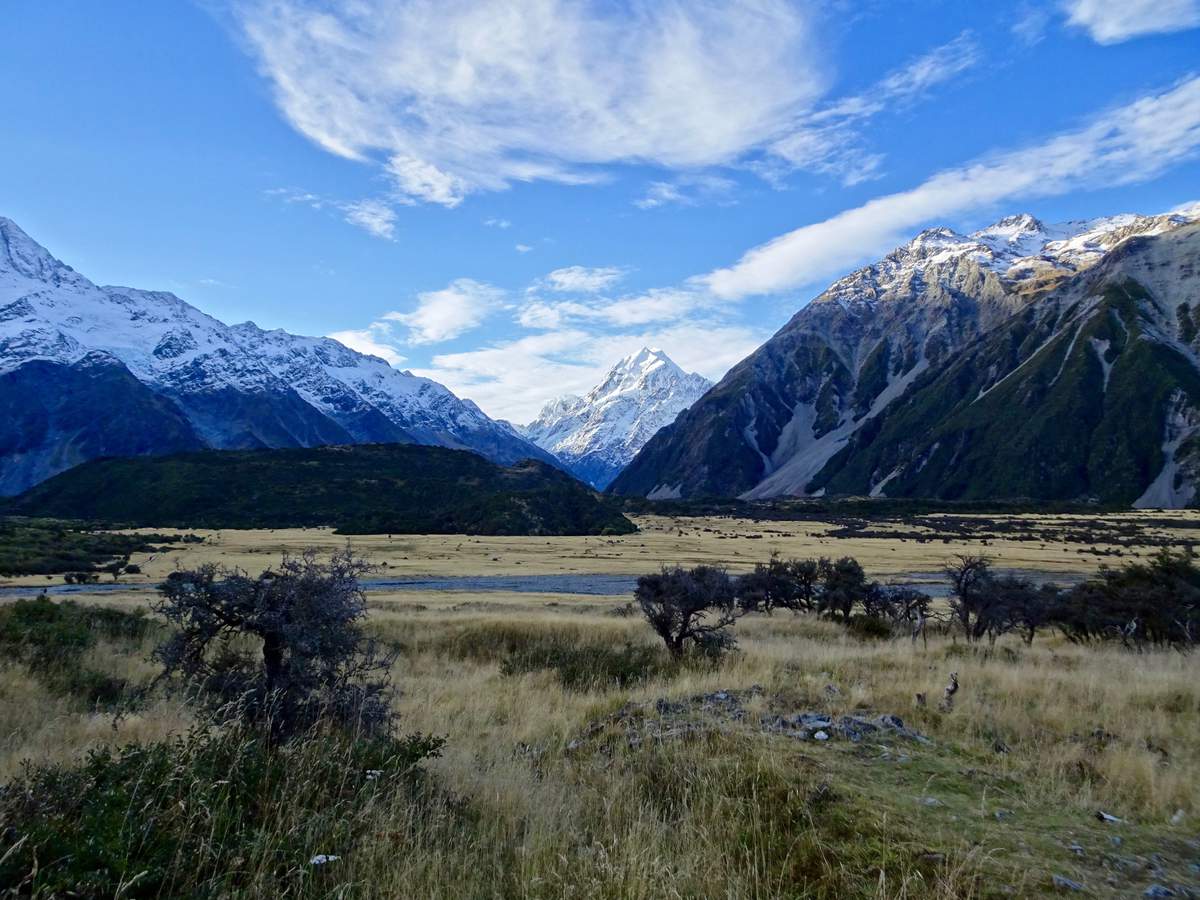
(597, 435)
(89, 371)
(1024, 360)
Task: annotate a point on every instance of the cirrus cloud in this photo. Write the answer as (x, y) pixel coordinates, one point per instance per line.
(456, 96)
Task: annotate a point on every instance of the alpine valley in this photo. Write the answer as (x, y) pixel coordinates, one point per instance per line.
(1023, 361)
(597, 435)
(89, 371)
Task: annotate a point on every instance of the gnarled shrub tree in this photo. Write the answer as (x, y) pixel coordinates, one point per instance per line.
(284, 650)
(690, 609)
(779, 584)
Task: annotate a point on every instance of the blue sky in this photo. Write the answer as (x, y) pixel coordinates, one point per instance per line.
(508, 195)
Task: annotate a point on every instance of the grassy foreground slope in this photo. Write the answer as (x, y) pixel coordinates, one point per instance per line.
(362, 489)
(675, 785)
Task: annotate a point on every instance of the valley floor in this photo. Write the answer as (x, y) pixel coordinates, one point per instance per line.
(1054, 545)
(692, 784)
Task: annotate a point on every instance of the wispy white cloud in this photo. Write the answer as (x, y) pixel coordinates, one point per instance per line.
(687, 190)
(497, 223)
(828, 140)
(522, 248)
(446, 314)
(1031, 23)
(1128, 144)
(927, 72)
(651, 306)
(452, 97)
(582, 280)
(374, 340)
(373, 217)
(1114, 21)
(456, 96)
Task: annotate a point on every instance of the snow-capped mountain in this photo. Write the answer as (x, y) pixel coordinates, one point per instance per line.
(87, 371)
(597, 435)
(793, 418)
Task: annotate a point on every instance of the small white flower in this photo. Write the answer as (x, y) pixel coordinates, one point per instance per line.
(321, 858)
(372, 774)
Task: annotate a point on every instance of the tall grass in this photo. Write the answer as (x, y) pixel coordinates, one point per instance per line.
(514, 807)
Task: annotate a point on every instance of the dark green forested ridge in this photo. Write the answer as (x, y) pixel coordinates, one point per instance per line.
(360, 489)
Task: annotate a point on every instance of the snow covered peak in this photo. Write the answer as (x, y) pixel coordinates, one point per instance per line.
(1017, 249)
(25, 264)
(1014, 226)
(1188, 211)
(634, 371)
(595, 436)
(1020, 235)
(646, 358)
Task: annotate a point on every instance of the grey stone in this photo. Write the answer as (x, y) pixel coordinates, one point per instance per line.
(1158, 890)
(815, 720)
(1066, 884)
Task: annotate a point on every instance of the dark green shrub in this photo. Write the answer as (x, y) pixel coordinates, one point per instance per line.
(1142, 603)
(869, 628)
(51, 638)
(49, 546)
(587, 666)
(43, 633)
(96, 689)
(194, 815)
(115, 624)
(497, 640)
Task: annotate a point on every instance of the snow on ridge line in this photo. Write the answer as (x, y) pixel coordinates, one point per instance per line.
(50, 312)
(1014, 248)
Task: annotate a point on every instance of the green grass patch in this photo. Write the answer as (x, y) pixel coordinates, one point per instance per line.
(582, 667)
(51, 639)
(201, 815)
(55, 546)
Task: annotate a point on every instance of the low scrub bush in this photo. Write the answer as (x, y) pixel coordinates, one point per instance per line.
(869, 628)
(587, 666)
(203, 814)
(49, 546)
(51, 638)
(496, 641)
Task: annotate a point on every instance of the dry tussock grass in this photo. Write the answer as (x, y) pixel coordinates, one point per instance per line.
(1043, 736)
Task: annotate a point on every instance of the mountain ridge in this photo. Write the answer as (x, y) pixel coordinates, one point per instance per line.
(237, 387)
(778, 417)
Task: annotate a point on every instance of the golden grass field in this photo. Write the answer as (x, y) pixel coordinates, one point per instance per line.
(661, 540)
(1004, 798)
